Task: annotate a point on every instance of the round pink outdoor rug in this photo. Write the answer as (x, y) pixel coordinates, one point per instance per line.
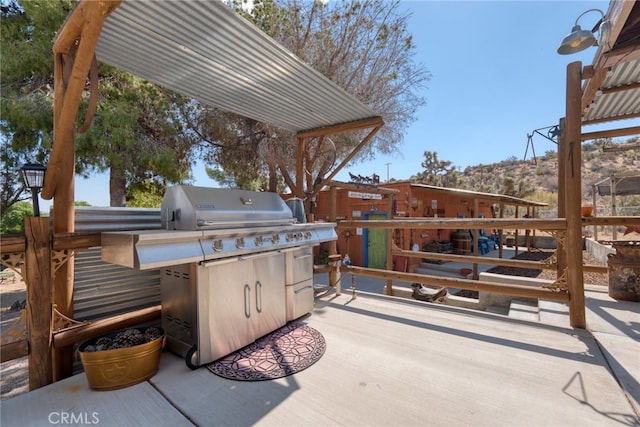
(288, 350)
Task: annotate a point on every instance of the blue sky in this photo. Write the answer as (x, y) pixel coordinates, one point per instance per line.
(496, 77)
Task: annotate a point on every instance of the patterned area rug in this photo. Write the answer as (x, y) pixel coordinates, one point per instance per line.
(288, 350)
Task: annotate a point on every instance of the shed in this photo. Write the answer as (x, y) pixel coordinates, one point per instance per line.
(401, 200)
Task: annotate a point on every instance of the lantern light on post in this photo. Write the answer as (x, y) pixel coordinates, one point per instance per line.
(33, 176)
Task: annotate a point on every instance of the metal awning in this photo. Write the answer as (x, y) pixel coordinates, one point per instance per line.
(206, 51)
(612, 92)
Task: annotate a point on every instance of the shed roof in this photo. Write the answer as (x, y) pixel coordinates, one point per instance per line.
(492, 197)
(207, 51)
(623, 185)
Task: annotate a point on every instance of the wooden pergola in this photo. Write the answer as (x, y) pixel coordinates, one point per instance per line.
(290, 95)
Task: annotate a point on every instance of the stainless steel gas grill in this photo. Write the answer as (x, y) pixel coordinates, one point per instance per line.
(235, 266)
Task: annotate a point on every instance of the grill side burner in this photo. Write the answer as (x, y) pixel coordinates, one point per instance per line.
(236, 266)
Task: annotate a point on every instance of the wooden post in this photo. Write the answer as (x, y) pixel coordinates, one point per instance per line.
(37, 275)
(515, 232)
(476, 238)
(389, 283)
(562, 155)
(500, 247)
(614, 231)
(593, 202)
(573, 195)
(82, 27)
(333, 245)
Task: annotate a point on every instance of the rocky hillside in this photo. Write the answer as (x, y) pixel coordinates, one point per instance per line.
(537, 178)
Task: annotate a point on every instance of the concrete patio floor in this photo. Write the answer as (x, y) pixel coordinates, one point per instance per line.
(392, 361)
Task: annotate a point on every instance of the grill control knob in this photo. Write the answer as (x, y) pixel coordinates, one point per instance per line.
(217, 245)
(258, 241)
(307, 235)
(289, 237)
(240, 242)
(298, 236)
(275, 238)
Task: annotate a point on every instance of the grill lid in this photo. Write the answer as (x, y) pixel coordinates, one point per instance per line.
(186, 207)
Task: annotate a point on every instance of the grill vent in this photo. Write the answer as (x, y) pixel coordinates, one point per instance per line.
(175, 323)
(177, 274)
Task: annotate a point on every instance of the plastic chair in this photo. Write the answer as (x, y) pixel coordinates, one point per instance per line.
(483, 243)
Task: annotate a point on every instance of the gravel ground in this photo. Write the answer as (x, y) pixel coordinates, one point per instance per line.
(14, 373)
(539, 255)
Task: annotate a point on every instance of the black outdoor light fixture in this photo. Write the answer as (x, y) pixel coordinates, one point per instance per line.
(580, 39)
(33, 176)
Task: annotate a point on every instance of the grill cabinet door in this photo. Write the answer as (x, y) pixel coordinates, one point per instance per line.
(239, 300)
(270, 312)
(224, 292)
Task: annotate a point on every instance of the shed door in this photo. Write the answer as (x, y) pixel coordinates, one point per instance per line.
(376, 243)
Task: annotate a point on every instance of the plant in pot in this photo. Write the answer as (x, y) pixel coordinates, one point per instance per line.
(122, 358)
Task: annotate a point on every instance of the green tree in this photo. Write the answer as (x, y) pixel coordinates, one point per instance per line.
(441, 173)
(363, 46)
(12, 220)
(137, 133)
(26, 111)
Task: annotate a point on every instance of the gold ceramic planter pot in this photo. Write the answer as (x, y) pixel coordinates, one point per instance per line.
(121, 367)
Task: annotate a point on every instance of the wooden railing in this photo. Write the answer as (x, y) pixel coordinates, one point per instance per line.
(556, 291)
(37, 248)
(47, 332)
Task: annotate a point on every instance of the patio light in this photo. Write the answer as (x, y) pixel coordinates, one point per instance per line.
(33, 176)
(579, 39)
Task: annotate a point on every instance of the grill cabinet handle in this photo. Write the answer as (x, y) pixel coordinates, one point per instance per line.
(258, 296)
(247, 300)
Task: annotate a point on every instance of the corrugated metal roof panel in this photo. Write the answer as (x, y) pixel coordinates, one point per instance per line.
(617, 104)
(205, 50)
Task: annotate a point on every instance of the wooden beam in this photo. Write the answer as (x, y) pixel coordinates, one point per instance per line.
(299, 190)
(14, 350)
(626, 54)
(342, 127)
(72, 27)
(611, 220)
(474, 285)
(85, 23)
(465, 223)
(610, 119)
(105, 326)
(346, 160)
(592, 268)
(12, 244)
(612, 133)
(76, 240)
(562, 162)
